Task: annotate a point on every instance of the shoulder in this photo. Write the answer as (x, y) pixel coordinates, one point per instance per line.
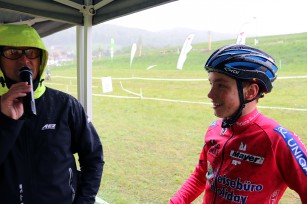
(57, 98)
(266, 124)
(275, 131)
(214, 128)
(215, 124)
(59, 95)
(291, 139)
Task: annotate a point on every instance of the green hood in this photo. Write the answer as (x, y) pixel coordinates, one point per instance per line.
(23, 36)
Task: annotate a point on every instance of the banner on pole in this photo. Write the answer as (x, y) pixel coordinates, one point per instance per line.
(187, 47)
(133, 50)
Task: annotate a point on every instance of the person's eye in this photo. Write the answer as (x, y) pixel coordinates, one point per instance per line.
(14, 52)
(30, 52)
(222, 86)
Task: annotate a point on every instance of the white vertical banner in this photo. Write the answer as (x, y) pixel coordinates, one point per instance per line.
(112, 44)
(133, 50)
(107, 84)
(187, 47)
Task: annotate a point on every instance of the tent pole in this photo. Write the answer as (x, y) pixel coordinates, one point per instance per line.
(84, 62)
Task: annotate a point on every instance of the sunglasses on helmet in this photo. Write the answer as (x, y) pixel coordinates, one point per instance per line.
(13, 53)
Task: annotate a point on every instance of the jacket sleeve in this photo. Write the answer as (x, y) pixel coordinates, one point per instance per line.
(291, 158)
(90, 153)
(194, 185)
(9, 132)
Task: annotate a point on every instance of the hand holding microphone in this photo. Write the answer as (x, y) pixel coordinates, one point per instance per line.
(29, 107)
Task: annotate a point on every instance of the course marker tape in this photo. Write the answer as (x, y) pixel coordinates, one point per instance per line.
(192, 102)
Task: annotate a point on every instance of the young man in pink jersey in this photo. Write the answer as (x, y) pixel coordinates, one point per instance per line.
(247, 157)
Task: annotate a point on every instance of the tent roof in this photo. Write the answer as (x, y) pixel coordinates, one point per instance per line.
(50, 16)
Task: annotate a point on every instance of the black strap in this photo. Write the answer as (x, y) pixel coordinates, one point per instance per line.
(227, 122)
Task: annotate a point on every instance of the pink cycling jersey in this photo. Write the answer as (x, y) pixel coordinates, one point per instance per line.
(253, 161)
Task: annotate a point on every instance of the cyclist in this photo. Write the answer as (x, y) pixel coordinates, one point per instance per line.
(247, 157)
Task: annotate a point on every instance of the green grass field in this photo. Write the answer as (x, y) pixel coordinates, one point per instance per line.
(152, 144)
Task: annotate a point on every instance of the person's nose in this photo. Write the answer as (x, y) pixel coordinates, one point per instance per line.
(211, 93)
(24, 61)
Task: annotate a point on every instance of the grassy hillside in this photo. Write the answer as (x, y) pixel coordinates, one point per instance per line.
(152, 143)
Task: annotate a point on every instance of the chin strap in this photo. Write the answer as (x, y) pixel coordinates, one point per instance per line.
(227, 122)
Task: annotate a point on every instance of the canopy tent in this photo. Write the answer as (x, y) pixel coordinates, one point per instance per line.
(51, 16)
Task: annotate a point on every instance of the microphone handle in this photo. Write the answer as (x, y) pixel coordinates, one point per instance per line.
(28, 101)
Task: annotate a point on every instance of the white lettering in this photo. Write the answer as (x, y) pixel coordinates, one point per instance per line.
(294, 146)
(49, 126)
(231, 70)
(289, 142)
(302, 162)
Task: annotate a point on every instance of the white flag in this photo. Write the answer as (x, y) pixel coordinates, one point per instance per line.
(112, 43)
(241, 38)
(133, 50)
(187, 47)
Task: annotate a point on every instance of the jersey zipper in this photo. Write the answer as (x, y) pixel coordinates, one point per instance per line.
(221, 164)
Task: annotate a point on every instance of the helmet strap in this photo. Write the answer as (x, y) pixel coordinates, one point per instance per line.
(227, 122)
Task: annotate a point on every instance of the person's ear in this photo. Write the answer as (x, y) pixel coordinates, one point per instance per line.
(251, 91)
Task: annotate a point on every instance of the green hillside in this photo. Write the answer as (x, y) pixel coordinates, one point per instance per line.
(289, 51)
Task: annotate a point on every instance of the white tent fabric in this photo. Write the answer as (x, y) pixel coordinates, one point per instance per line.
(51, 16)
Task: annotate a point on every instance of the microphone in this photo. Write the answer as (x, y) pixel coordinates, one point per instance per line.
(29, 107)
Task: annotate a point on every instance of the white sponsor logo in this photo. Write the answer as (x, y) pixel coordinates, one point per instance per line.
(49, 127)
(294, 146)
(232, 71)
(246, 157)
(242, 146)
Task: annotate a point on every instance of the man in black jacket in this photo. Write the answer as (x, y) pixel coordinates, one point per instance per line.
(37, 162)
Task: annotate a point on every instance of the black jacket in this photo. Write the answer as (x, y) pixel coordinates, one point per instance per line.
(37, 155)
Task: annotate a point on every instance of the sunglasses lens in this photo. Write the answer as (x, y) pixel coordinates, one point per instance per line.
(13, 54)
(32, 53)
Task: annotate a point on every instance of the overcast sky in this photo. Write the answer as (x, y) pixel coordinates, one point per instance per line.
(254, 17)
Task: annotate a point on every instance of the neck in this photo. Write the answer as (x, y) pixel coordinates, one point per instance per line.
(249, 107)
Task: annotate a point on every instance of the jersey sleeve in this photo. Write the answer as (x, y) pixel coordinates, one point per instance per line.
(291, 158)
(90, 152)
